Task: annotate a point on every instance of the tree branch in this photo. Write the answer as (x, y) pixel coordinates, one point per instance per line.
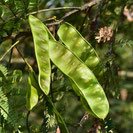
(27, 122)
(53, 9)
(9, 50)
(82, 8)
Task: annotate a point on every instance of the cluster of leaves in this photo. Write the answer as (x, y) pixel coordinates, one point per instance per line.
(16, 10)
(10, 98)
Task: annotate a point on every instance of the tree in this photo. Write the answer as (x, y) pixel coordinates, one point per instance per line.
(59, 80)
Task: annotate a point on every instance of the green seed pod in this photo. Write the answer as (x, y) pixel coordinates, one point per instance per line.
(68, 62)
(32, 94)
(87, 84)
(40, 38)
(80, 47)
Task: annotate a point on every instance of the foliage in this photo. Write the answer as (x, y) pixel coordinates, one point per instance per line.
(60, 79)
(9, 93)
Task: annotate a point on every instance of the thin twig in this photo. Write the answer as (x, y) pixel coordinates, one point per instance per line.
(82, 25)
(10, 57)
(53, 9)
(30, 68)
(84, 7)
(9, 50)
(74, 10)
(27, 122)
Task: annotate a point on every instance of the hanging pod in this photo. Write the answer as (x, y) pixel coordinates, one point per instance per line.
(32, 93)
(41, 38)
(41, 46)
(80, 47)
(69, 63)
(82, 76)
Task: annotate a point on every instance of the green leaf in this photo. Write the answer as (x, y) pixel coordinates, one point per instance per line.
(32, 4)
(40, 37)
(80, 47)
(16, 76)
(32, 94)
(19, 5)
(4, 107)
(3, 71)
